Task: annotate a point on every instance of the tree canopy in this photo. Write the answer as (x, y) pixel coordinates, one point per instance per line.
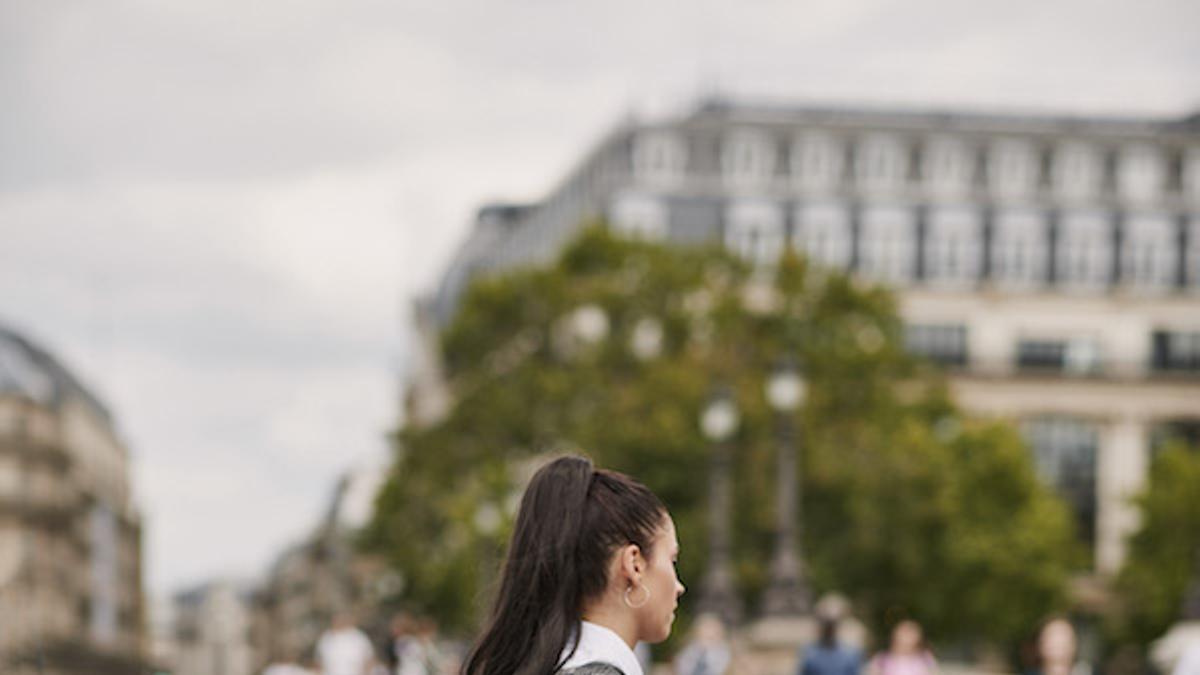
(909, 507)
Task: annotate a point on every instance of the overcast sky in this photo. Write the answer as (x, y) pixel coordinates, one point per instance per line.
(217, 212)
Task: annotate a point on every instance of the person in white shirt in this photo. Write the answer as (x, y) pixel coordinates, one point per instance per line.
(1189, 661)
(708, 652)
(590, 572)
(344, 649)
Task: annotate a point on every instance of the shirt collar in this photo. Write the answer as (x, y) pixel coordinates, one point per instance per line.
(597, 643)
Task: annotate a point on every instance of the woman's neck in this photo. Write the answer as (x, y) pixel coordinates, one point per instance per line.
(619, 622)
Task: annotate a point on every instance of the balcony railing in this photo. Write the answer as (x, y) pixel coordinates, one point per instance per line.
(1047, 366)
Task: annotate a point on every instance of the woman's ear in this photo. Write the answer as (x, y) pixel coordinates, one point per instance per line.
(633, 563)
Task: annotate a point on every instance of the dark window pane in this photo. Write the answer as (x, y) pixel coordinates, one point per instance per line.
(1177, 351)
(945, 344)
(1064, 451)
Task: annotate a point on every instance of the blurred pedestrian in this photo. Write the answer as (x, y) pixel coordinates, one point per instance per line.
(400, 634)
(827, 656)
(422, 655)
(1178, 652)
(343, 649)
(907, 653)
(1189, 662)
(851, 632)
(454, 654)
(1057, 650)
(708, 652)
(590, 571)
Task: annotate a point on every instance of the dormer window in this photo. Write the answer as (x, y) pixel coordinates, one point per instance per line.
(1191, 174)
(1141, 173)
(659, 157)
(1078, 170)
(818, 161)
(748, 158)
(1012, 169)
(947, 166)
(881, 163)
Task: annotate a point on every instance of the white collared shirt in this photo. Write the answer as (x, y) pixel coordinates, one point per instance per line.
(597, 643)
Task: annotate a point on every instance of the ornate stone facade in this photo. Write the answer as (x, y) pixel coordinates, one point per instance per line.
(70, 533)
(322, 576)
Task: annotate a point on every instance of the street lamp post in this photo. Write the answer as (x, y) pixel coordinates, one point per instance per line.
(787, 592)
(718, 422)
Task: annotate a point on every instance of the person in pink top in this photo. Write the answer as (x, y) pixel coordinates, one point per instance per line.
(907, 654)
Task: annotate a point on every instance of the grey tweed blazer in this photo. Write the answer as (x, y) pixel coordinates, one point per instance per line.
(593, 668)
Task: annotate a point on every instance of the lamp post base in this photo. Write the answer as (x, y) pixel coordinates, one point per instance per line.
(773, 643)
(786, 600)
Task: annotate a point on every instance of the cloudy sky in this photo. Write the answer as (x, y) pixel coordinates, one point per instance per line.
(217, 212)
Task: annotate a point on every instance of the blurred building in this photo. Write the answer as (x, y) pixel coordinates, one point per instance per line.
(212, 630)
(160, 629)
(1051, 263)
(322, 576)
(70, 533)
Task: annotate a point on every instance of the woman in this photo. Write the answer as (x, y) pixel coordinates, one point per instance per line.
(1058, 650)
(590, 572)
(907, 655)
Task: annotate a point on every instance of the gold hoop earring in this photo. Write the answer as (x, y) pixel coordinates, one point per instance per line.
(644, 599)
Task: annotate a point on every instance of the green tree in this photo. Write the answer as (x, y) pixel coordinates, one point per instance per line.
(908, 507)
(1162, 554)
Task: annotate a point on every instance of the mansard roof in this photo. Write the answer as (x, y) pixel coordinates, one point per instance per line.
(28, 370)
(725, 111)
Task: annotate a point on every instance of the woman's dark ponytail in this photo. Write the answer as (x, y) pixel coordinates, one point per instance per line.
(571, 519)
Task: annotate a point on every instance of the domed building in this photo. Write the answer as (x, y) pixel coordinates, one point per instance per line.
(70, 533)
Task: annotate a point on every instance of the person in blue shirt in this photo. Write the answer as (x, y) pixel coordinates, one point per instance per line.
(827, 656)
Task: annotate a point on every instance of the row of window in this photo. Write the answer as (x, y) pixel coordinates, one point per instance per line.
(1084, 249)
(946, 344)
(947, 165)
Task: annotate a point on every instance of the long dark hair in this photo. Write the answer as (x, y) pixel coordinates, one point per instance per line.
(572, 517)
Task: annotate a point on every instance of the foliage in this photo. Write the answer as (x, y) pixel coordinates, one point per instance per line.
(1163, 553)
(907, 506)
